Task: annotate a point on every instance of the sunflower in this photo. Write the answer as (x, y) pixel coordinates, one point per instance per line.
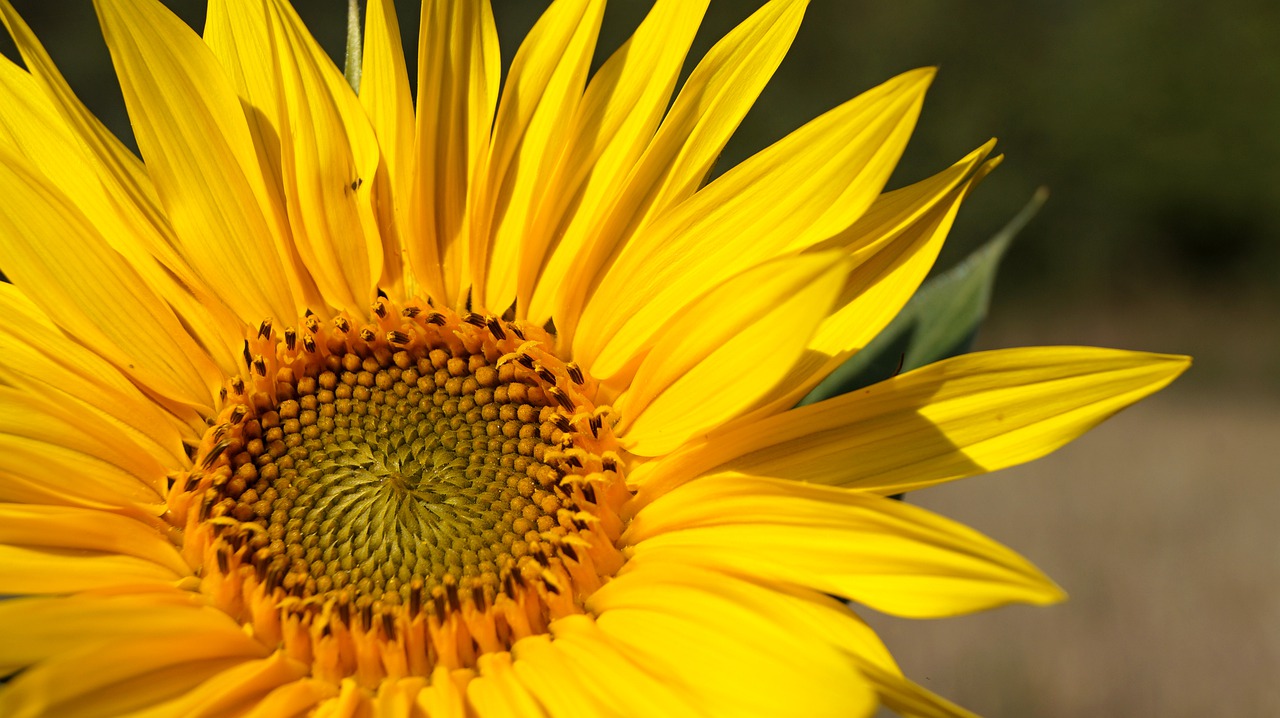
(334, 404)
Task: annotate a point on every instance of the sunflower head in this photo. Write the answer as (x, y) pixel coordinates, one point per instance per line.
(478, 398)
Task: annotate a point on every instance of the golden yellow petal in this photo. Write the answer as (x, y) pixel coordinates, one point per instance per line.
(67, 527)
(192, 131)
(542, 92)
(36, 629)
(25, 570)
(708, 109)
(54, 254)
(893, 247)
(498, 692)
(893, 557)
(708, 365)
(232, 691)
(458, 69)
(293, 699)
(385, 96)
(622, 106)
(330, 158)
(118, 677)
(808, 187)
(37, 358)
(959, 417)
(683, 622)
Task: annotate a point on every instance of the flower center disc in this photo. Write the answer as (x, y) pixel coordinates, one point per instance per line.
(384, 499)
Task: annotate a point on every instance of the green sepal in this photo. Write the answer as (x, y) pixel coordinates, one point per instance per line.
(354, 63)
(940, 320)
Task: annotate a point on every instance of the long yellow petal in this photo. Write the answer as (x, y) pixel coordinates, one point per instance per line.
(51, 251)
(542, 92)
(238, 34)
(620, 110)
(293, 699)
(893, 557)
(704, 115)
(330, 157)
(36, 357)
(893, 247)
(52, 571)
(88, 682)
(607, 668)
(684, 622)
(806, 188)
(708, 365)
(387, 100)
(230, 692)
(192, 130)
(498, 692)
(959, 417)
(65, 527)
(36, 629)
(458, 74)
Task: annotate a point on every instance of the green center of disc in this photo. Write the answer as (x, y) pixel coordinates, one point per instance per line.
(376, 475)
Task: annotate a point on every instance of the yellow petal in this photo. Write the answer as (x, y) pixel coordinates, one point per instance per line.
(708, 109)
(47, 420)
(65, 527)
(228, 692)
(806, 188)
(498, 692)
(110, 187)
(192, 131)
(893, 557)
(330, 157)
(684, 622)
(36, 629)
(605, 668)
(292, 699)
(542, 91)
(726, 350)
(458, 72)
(51, 251)
(620, 110)
(117, 677)
(39, 359)
(959, 417)
(385, 96)
(893, 247)
(443, 697)
(550, 680)
(44, 571)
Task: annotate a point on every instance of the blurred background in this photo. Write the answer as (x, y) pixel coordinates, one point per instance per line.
(1156, 127)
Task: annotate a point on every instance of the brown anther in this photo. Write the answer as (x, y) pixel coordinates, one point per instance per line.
(575, 373)
(247, 354)
(436, 318)
(308, 344)
(380, 309)
(264, 329)
(290, 338)
(474, 319)
(259, 365)
(524, 360)
(561, 398)
(367, 334)
(342, 324)
(546, 375)
(397, 337)
(562, 422)
(410, 312)
(213, 454)
(495, 328)
(312, 323)
(516, 331)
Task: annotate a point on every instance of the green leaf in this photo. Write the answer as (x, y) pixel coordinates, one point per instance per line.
(355, 45)
(940, 321)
